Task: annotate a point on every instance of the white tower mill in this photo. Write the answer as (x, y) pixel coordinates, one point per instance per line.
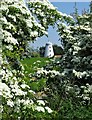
(49, 50)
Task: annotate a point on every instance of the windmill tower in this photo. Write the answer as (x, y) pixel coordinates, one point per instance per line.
(49, 50)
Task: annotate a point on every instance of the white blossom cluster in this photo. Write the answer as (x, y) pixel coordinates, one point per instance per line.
(87, 93)
(79, 74)
(10, 22)
(82, 92)
(4, 90)
(44, 10)
(41, 72)
(14, 15)
(78, 46)
(9, 38)
(42, 109)
(12, 92)
(44, 2)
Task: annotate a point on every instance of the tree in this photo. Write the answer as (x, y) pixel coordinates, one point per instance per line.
(20, 25)
(76, 63)
(71, 92)
(42, 51)
(91, 7)
(57, 50)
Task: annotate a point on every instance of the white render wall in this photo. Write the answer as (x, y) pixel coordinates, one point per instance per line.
(49, 50)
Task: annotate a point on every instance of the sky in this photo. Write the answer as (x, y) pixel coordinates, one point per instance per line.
(64, 7)
(69, 0)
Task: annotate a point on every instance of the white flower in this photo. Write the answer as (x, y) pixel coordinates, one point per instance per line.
(24, 86)
(86, 91)
(9, 38)
(29, 23)
(48, 109)
(42, 14)
(10, 47)
(4, 88)
(58, 61)
(77, 48)
(89, 88)
(10, 103)
(70, 16)
(27, 102)
(40, 102)
(4, 20)
(74, 52)
(70, 50)
(1, 109)
(16, 89)
(40, 109)
(91, 62)
(34, 34)
(22, 101)
(46, 61)
(31, 91)
(45, 32)
(2, 72)
(86, 98)
(13, 17)
(38, 61)
(63, 24)
(83, 87)
(20, 92)
(31, 102)
(34, 63)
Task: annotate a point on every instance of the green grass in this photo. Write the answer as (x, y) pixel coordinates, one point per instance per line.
(31, 65)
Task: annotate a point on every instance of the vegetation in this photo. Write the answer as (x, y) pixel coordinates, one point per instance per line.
(42, 88)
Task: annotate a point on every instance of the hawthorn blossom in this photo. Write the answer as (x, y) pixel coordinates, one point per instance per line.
(48, 109)
(40, 109)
